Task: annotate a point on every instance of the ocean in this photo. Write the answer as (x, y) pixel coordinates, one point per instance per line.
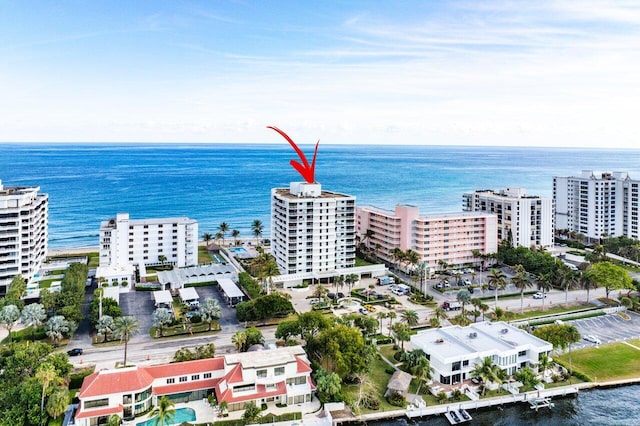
(89, 183)
(214, 183)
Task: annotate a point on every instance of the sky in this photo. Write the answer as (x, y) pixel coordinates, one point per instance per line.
(477, 73)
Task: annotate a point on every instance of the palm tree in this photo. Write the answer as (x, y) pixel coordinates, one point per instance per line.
(397, 255)
(207, 237)
(123, 329)
(521, 282)
(391, 315)
(498, 280)
(114, 420)
(223, 228)
(33, 315)
(412, 258)
(45, 374)
(235, 234)
(543, 363)
(58, 401)
(381, 316)
(239, 339)
(210, 310)
(219, 236)
(223, 406)
(9, 316)
(256, 228)
(587, 281)
(568, 281)
(440, 313)
(463, 297)
(483, 308)
(164, 412)
(410, 317)
(488, 372)
(57, 327)
(105, 326)
(350, 279)
(543, 281)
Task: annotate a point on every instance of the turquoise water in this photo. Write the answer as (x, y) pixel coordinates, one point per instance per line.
(215, 183)
(238, 250)
(182, 415)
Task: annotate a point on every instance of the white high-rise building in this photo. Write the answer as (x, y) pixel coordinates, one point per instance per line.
(23, 233)
(129, 242)
(312, 230)
(597, 204)
(525, 220)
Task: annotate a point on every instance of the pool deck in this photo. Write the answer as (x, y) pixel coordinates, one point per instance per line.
(205, 413)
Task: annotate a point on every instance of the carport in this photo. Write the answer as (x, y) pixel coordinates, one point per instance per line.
(189, 296)
(163, 299)
(230, 291)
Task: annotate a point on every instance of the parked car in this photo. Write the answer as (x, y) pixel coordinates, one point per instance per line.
(75, 352)
(331, 296)
(539, 295)
(369, 308)
(467, 282)
(340, 295)
(491, 287)
(363, 311)
(313, 300)
(593, 339)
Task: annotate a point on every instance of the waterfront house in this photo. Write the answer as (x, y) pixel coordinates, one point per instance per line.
(453, 351)
(281, 375)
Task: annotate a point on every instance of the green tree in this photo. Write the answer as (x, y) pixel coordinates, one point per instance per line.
(287, 329)
(58, 401)
(238, 339)
(401, 332)
(124, 328)
(311, 324)
(235, 234)
(391, 315)
(33, 315)
(521, 282)
(544, 363)
(45, 374)
(417, 364)
(527, 377)
(57, 327)
(256, 229)
(340, 349)
(9, 316)
(381, 316)
(463, 297)
(611, 277)
(561, 336)
(251, 413)
(105, 326)
(207, 237)
(223, 228)
(410, 317)
(254, 337)
(498, 280)
(487, 371)
(350, 280)
(109, 307)
(114, 420)
(211, 311)
(328, 385)
(164, 412)
(17, 289)
(543, 282)
(161, 317)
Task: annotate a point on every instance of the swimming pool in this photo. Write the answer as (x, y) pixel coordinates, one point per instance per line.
(182, 415)
(238, 250)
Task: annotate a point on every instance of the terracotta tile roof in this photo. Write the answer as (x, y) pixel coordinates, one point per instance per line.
(235, 375)
(185, 387)
(115, 381)
(83, 414)
(187, 367)
(310, 381)
(261, 392)
(303, 367)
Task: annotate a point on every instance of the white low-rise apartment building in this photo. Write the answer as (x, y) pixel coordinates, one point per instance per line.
(523, 219)
(23, 233)
(453, 351)
(597, 204)
(143, 241)
(312, 230)
(448, 237)
(274, 376)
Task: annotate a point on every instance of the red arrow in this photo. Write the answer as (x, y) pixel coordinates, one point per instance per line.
(306, 171)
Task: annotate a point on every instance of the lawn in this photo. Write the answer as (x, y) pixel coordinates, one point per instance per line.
(94, 259)
(204, 256)
(362, 262)
(607, 362)
(551, 310)
(379, 379)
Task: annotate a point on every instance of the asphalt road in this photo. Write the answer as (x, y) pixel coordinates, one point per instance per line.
(608, 328)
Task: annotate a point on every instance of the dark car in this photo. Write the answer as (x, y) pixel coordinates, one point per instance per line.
(331, 296)
(75, 352)
(340, 295)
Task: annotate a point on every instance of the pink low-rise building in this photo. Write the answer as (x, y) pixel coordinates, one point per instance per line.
(281, 375)
(448, 237)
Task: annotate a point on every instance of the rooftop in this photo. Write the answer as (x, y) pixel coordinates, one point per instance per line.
(286, 193)
(267, 357)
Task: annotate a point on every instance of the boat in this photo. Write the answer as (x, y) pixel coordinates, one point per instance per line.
(537, 403)
(456, 417)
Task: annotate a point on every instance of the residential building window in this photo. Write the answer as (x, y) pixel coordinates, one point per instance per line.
(171, 380)
(183, 379)
(522, 353)
(465, 363)
(207, 375)
(279, 371)
(261, 373)
(96, 403)
(244, 388)
(195, 377)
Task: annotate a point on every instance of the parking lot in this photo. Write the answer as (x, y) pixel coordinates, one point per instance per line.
(608, 328)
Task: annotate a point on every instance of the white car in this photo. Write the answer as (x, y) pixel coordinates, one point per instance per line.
(539, 295)
(591, 338)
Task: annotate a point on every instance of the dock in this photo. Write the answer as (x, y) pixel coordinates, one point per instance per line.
(537, 403)
(457, 417)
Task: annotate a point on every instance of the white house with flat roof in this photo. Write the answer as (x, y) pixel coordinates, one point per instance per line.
(453, 351)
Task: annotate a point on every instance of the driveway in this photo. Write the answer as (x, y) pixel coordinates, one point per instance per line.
(608, 328)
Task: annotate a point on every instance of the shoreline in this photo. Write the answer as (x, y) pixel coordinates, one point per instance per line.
(487, 404)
